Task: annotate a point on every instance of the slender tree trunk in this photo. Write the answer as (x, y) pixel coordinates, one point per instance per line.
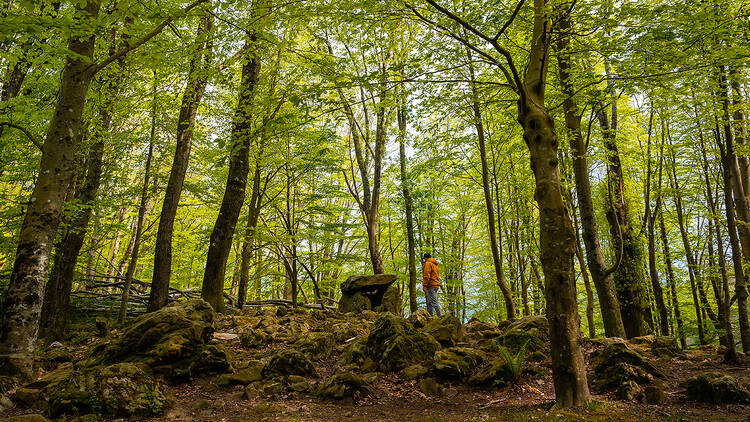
(405, 191)
(671, 281)
(650, 222)
(722, 299)
(247, 243)
(557, 240)
(600, 273)
(586, 282)
(197, 79)
(510, 307)
(142, 207)
(740, 205)
(19, 324)
(234, 194)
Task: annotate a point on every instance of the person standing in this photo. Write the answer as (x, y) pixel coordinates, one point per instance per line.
(431, 283)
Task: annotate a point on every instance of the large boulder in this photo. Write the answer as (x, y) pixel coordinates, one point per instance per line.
(419, 318)
(161, 337)
(532, 331)
(394, 344)
(355, 302)
(173, 340)
(446, 330)
(343, 385)
(621, 368)
(715, 387)
(358, 283)
(288, 362)
(494, 372)
(370, 292)
(121, 389)
(316, 345)
(457, 362)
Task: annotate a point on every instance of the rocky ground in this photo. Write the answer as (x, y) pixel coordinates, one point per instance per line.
(183, 363)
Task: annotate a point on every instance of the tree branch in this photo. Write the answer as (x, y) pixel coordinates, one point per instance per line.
(95, 68)
(26, 132)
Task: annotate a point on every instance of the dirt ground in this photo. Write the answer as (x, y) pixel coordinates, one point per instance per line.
(394, 399)
(397, 400)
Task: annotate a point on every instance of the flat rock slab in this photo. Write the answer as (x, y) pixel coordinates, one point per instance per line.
(360, 282)
(226, 336)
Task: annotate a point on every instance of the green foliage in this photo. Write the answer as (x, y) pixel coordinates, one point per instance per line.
(514, 363)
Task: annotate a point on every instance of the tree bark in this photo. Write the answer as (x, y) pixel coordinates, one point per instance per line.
(142, 206)
(234, 194)
(557, 240)
(19, 324)
(197, 79)
(405, 191)
(510, 307)
(650, 218)
(733, 183)
(600, 273)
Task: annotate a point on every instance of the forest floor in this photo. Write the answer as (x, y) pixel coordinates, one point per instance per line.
(398, 400)
(395, 399)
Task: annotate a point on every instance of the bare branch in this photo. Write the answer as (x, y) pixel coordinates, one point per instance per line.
(26, 132)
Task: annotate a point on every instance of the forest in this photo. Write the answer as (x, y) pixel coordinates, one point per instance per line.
(580, 170)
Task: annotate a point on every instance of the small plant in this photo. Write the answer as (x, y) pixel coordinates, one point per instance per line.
(514, 363)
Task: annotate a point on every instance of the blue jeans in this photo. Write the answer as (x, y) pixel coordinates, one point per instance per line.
(432, 301)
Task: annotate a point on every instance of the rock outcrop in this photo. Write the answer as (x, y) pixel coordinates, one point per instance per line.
(370, 292)
(621, 368)
(121, 389)
(717, 388)
(394, 344)
(173, 341)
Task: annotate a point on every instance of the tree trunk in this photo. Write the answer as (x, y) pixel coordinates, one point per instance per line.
(557, 240)
(234, 194)
(405, 191)
(253, 213)
(650, 222)
(738, 204)
(671, 281)
(142, 206)
(510, 307)
(600, 273)
(197, 79)
(19, 325)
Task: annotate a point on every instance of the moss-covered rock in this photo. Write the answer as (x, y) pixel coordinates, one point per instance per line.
(494, 372)
(345, 330)
(48, 357)
(162, 337)
(447, 330)
(121, 389)
(355, 302)
(665, 346)
(715, 387)
(477, 330)
(514, 339)
(355, 352)
(394, 344)
(53, 378)
(253, 372)
(254, 337)
(316, 345)
(288, 362)
(212, 358)
(419, 318)
(413, 372)
(618, 364)
(457, 362)
(347, 384)
(391, 301)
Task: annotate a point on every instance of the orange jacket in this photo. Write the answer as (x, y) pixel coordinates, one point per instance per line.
(430, 274)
